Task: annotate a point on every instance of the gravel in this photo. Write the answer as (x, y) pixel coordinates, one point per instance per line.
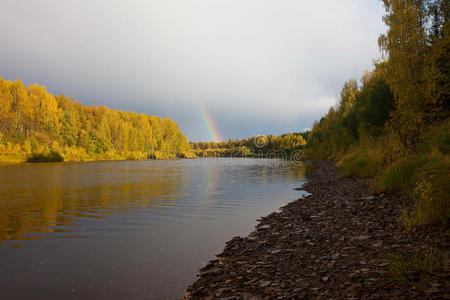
(332, 244)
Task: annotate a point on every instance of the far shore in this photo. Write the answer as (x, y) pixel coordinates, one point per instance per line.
(9, 159)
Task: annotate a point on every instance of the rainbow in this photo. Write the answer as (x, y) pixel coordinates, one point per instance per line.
(212, 130)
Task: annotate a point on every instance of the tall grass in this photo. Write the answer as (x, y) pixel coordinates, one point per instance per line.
(359, 163)
(432, 192)
(413, 269)
(364, 159)
(423, 174)
(401, 175)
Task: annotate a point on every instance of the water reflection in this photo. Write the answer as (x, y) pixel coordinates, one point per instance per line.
(117, 230)
(39, 198)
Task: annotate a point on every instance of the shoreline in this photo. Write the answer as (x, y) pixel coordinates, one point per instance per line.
(88, 160)
(337, 242)
(18, 161)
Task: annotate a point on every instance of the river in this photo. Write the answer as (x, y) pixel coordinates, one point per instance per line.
(128, 229)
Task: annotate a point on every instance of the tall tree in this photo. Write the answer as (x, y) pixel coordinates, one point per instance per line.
(405, 44)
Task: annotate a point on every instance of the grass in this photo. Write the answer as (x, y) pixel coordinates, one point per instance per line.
(400, 175)
(427, 179)
(12, 158)
(424, 176)
(416, 269)
(432, 193)
(364, 164)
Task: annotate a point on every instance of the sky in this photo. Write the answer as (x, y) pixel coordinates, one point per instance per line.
(252, 66)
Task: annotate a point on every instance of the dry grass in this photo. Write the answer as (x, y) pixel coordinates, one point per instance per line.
(416, 268)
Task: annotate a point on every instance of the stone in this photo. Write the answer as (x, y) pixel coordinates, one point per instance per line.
(265, 283)
(331, 245)
(263, 227)
(377, 244)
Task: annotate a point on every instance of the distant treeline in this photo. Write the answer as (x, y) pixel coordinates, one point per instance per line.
(36, 125)
(261, 145)
(395, 126)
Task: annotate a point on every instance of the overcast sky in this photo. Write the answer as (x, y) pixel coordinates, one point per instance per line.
(259, 67)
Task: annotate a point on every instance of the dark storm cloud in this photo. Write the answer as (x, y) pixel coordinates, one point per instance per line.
(258, 66)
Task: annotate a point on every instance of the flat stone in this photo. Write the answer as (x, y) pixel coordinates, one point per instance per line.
(263, 227)
(367, 198)
(378, 244)
(335, 235)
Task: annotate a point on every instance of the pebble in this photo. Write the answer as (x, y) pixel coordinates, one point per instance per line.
(333, 244)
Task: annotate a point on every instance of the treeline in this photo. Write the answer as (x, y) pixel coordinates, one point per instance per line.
(36, 125)
(261, 145)
(394, 126)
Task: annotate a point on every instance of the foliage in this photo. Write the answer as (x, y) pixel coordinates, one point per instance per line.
(359, 163)
(395, 127)
(414, 269)
(33, 123)
(400, 175)
(261, 145)
(52, 156)
(431, 194)
(417, 69)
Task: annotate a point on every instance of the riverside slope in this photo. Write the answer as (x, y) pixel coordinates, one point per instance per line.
(331, 244)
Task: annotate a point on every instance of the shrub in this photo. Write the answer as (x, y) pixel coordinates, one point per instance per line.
(360, 163)
(413, 269)
(52, 156)
(436, 138)
(400, 175)
(432, 193)
(187, 154)
(427, 179)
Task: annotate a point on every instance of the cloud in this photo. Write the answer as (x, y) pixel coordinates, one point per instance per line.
(256, 64)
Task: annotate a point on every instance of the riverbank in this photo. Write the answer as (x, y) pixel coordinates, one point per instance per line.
(26, 159)
(342, 241)
(35, 158)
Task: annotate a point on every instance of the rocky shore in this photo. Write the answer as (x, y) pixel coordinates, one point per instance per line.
(333, 244)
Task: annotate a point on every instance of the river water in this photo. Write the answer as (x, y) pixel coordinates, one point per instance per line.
(128, 229)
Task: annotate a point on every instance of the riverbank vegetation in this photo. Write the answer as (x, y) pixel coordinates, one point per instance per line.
(394, 126)
(37, 126)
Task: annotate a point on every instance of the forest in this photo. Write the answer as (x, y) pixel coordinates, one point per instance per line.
(256, 146)
(37, 126)
(394, 125)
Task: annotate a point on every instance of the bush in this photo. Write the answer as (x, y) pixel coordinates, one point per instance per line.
(436, 138)
(187, 154)
(400, 175)
(365, 164)
(423, 264)
(427, 179)
(52, 156)
(432, 193)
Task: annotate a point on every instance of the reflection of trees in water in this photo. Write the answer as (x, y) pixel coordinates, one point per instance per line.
(39, 200)
(271, 172)
(45, 204)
